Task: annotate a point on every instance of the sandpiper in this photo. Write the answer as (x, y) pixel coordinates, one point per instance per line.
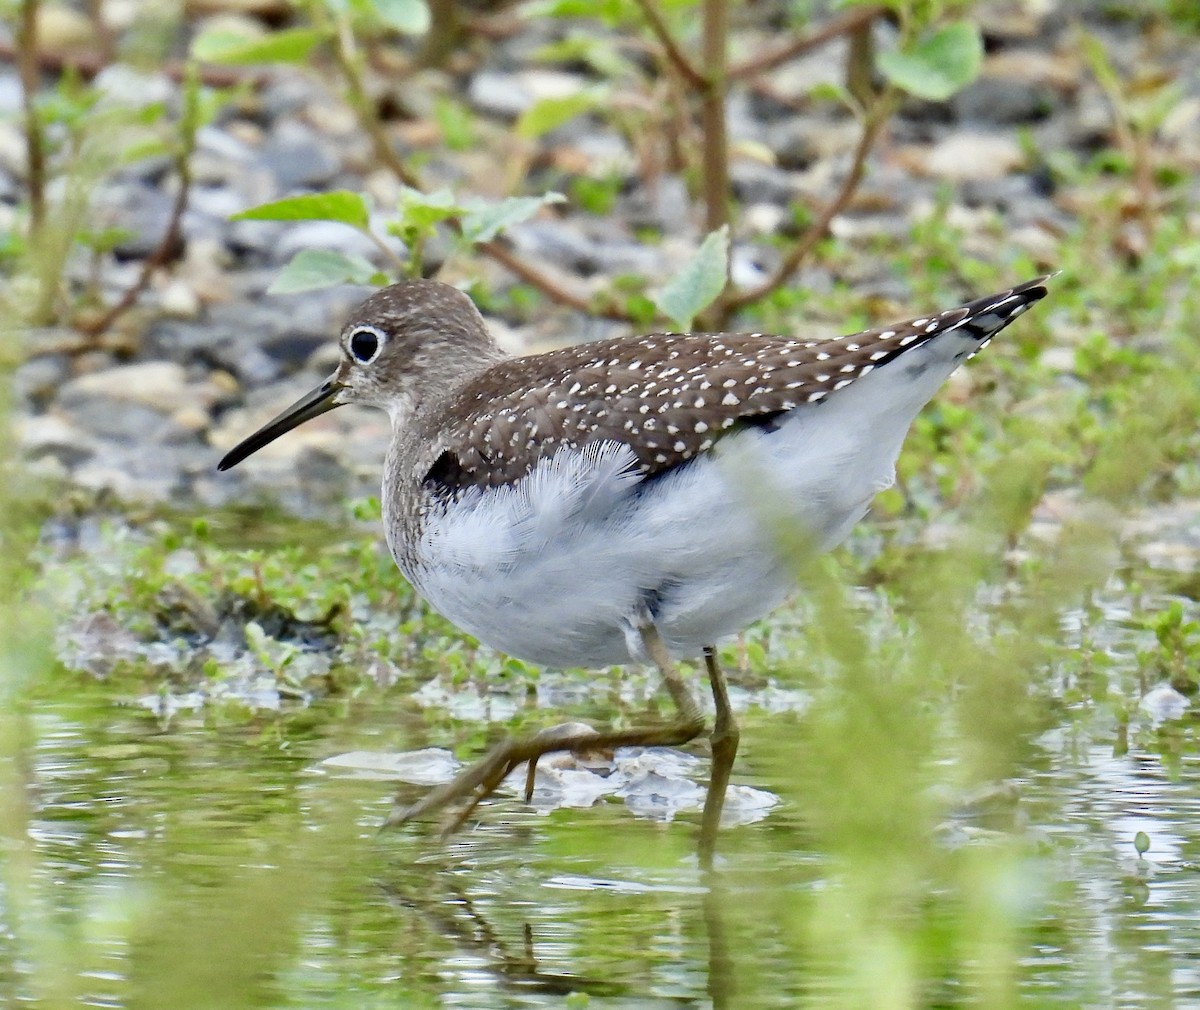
(621, 500)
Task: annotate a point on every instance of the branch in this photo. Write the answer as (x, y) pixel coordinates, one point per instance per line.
(531, 275)
(715, 86)
(350, 66)
(35, 158)
(172, 235)
(816, 231)
(675, 55)
(849, 22)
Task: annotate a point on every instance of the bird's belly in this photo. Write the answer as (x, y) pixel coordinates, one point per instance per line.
(558, 571)
(574, 602)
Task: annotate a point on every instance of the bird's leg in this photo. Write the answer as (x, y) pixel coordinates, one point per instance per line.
(482, 778)
(724, 739)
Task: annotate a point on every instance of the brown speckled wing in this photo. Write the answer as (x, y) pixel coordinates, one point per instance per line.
(670, 396)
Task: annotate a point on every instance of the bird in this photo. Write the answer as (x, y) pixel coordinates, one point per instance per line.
(622, 500)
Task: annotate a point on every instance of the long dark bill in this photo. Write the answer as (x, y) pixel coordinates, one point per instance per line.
(311, 405)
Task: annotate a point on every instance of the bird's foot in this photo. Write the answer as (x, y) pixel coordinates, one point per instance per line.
(481, 779)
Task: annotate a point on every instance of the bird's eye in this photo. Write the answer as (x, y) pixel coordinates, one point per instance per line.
(365, 343)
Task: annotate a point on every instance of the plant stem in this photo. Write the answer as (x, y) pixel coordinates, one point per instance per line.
(349, 62)
(872, 126)
(35, 158)
(716, 143)
(350, 65)
(848, 23)
(675, 55)
(172, 236)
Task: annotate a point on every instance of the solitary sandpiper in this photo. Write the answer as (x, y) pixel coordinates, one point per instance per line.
(622, 500)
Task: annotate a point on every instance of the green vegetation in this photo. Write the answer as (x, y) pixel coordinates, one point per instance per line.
(975, 714)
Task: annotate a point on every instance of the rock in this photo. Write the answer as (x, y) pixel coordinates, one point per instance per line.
(142, 212)
(331, 235)
(299, 158)
(583, 247)
(508, 95)
(754, 182)
(62, 31)
(763, 218)
(122, 87)
(792, 142)
(179, 300)
(10, 96)
(12, 150)
(38, 380)
(1004, 101)
(657, 206)
(1164, 704)
(160, 385)
(117, 420)
(49, 435)
(968, 155)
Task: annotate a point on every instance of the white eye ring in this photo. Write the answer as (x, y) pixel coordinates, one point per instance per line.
(364, 343)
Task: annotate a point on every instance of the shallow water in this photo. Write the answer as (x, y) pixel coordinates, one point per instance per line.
(208, 864)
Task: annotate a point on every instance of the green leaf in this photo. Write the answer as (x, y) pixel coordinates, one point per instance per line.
(339, 205)
(145, 147)
(410, 17)
(938, 66)
(1141, 842)
(321, 268)
(484, 220)
(610, 12)
(421, 211)
(550, 113)
(702, 278)
(291, 45)
(455, 121)
(600, 52)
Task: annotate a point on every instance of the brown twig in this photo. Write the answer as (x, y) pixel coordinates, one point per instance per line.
(101, 31)
(676, 55)
(848, 23)
(350, 66)
(817, 230)
(715, 85)
(35, 158)
(171, 236)
(531, 275)
(349, 63)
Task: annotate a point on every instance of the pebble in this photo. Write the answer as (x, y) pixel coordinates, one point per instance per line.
(507, 95)
(177, 299)
(37, 380)
(969, 155)
(161, 386)
(51, 435)
(1004, 101)
(299, 158)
